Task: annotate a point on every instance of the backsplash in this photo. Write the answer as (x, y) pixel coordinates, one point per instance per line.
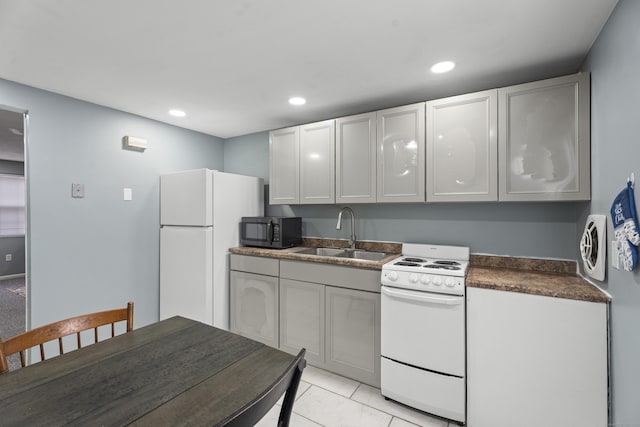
(541, 230)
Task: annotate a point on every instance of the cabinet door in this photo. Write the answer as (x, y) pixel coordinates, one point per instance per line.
(356, 159)
(539, 360)
(544, 140)
(353, 334)
(302, 319)
(317, 163)
(401, 161)
(284, 172)
(462, 148)
(254, 306)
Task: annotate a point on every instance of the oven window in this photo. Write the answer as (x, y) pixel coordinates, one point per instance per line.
(255, 231)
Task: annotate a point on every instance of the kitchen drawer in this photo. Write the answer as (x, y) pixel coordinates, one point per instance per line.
(335, 275)
(254, 264)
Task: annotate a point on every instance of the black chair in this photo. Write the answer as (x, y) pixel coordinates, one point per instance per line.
(256, 410)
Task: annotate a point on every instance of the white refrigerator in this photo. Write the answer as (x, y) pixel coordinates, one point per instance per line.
(200, 212)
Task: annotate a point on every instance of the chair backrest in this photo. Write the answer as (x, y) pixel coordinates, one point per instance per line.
(287, 384)
(58, 330)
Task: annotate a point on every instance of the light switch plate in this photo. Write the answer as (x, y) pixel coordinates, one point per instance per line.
(77, 191)
(128, 194)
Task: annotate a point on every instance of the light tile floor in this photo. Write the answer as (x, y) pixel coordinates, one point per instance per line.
(325, 399)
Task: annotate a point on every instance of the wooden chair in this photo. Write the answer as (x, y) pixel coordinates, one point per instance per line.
(287, 384)
(57, 330)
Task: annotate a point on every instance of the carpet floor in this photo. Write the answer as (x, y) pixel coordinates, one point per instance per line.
(12, 312)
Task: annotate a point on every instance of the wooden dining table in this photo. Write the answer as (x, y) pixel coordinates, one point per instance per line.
(174, 372)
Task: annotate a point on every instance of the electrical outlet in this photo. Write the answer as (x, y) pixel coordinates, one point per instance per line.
(615, 260)
(8, 257)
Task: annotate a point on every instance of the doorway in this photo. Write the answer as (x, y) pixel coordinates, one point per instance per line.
(13, 209)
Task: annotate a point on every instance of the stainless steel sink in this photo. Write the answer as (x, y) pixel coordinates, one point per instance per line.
(366, 255)
(324, 252)
(345, 253)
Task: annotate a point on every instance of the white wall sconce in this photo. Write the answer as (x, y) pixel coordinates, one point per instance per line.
(133, 143)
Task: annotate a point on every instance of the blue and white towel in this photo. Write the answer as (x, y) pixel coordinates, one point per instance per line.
(625, 225)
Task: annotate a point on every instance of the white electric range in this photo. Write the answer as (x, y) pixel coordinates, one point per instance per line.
(423, 342)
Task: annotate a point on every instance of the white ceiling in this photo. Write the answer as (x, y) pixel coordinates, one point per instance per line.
(232, 65)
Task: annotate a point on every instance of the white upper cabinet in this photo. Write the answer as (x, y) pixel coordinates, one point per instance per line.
(317, 163)
(462, 150)
(356, 159)
(302, 164)
(284, 167)
(401, 159)
(529, 142)
(544, 140)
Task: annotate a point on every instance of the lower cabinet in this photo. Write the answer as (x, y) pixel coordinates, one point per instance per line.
(302, 319)
(254, 306)
(353, 333)
(332, 311)
(254, 298)
(535, 360)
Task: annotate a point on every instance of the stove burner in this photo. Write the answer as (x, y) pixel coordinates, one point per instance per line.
(406, 264)
(409, 259)
(445, 262)
(442, 267)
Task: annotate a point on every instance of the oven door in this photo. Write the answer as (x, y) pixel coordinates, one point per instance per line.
(424, 329)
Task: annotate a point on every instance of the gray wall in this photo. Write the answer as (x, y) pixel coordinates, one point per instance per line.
(248, 155)
(98, 252)
(546, 230)
(614, 61)
(13, 245)
(11, 167)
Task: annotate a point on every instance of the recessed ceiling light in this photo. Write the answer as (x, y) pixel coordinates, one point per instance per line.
(442, 67)
(296, 100)
(177, 113)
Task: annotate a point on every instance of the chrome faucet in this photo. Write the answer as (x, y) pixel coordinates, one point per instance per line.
(352, 239)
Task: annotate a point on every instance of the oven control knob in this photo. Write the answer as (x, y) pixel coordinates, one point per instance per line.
(425, 279)
(413, 278)
(437, 281)
(449, 282)
(393, 276)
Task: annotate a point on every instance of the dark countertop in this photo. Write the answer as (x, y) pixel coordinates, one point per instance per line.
(552, 278)
(393, 249)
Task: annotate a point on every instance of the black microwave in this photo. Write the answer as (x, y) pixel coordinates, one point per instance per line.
(271, 232)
